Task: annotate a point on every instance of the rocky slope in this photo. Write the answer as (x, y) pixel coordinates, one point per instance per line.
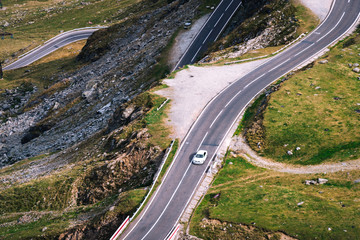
(258, 25)
(123, 62)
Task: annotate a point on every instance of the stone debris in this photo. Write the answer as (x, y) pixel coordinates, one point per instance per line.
(316, 182)
(324, 61)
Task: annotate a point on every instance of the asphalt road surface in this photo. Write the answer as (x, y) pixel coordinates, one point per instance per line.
(51, 46)
(210, 31)
(208, 132)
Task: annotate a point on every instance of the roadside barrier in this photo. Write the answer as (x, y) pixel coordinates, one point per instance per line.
(163, 104)
(155, 180)
(120, 229)
(172, 234)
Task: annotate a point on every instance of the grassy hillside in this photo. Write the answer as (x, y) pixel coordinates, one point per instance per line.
(268, 203)
(32, 22)
(315, 111)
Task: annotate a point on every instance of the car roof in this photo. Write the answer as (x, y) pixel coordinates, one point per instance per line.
(201, 152)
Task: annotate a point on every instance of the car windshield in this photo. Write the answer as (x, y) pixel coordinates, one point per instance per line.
(199, 155)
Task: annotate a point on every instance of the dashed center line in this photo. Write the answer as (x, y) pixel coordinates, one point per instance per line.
(279, 65)
(216, 118)
(202, 141)
(218, 20)
(304, 50)
(196, 53)
(229, 5)
(332, 28)
(207, 36)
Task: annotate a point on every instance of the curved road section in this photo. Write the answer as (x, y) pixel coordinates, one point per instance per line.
(215, 122)
(51, 46)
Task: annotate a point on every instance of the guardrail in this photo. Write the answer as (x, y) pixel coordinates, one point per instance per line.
(154, 182)
(120, 229)
(173, 232)
(128, 219)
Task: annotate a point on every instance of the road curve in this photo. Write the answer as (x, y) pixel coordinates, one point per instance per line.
(208, 132)
(51, 46)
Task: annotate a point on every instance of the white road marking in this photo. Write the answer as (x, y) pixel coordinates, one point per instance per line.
(216, 118)
(172, 196)
(303, 50)
(255, 80)
(229, 5)
(227, 21)
(248, 103)
(202, 141)
(218, 20)
(332, 28)
(207, 36)
(196, 53)
(232, 98)
(279, 65)
(193, 40)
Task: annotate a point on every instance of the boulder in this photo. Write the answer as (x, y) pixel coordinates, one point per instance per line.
(357, 70)
(322, 180)
(310, 182)
(324, 61)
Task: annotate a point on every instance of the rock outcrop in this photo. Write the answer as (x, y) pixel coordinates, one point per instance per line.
(122, 62)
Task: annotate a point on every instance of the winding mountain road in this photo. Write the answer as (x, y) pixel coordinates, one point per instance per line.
(166, 206)
(50, 46)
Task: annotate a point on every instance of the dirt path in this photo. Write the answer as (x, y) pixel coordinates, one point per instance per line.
(239, 146)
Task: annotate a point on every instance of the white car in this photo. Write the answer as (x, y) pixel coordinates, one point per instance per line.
(199, 157)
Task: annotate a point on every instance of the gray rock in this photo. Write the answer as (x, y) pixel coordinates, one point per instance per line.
(290, 152)
(357, 181)
(300, 203)
(350, 65)
(355, 65)
(357, 70)
(128, 111)
(104, 108)
(310, 182)
(324, 61)
(322, 180)
(88, 95)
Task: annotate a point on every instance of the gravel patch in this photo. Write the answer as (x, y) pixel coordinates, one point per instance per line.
(319, 7)
(193, 88)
